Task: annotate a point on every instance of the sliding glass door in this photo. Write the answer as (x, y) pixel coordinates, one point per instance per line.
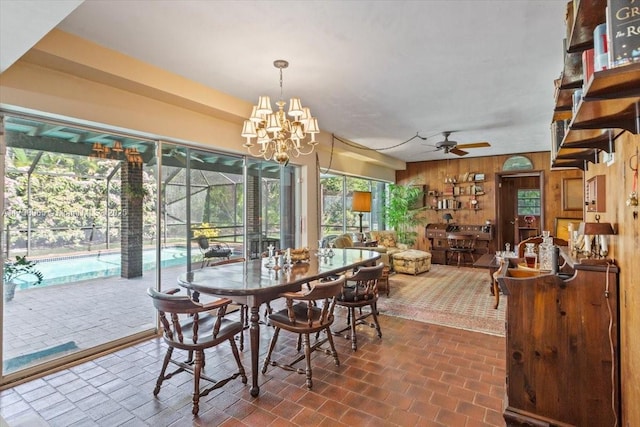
(271, 207)
(78, 241)
(92, 218)
(337, 215)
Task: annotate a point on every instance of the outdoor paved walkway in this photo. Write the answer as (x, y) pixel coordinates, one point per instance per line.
(80, 315)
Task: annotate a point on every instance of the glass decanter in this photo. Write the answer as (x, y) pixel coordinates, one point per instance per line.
(545, 253)
(530, 255)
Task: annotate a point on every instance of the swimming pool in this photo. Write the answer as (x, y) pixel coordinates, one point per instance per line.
(69, 269)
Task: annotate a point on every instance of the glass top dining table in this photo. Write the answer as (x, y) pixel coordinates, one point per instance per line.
(252, 283)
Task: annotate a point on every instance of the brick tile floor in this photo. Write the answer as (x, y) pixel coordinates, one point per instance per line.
(416, 375)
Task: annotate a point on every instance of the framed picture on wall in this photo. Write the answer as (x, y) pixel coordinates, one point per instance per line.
(562, 227)
(572, 194)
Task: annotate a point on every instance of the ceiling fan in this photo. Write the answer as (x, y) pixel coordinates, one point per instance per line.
(455, 148)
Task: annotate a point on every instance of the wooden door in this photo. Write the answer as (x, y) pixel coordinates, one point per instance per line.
(507, 219)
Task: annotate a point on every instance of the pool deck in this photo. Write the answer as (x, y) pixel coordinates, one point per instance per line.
(86, 314)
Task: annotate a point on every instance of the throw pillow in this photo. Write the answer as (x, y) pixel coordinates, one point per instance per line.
(387, 239)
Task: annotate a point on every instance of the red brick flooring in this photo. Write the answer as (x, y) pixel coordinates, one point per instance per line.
(416, 375)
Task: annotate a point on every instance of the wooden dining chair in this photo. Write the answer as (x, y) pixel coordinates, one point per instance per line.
(461, 245)
(244, 309)
(193, 326)
(309, 311)
(361, 290)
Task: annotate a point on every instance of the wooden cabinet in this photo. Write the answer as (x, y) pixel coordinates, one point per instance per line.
(562, 346)
(610, 103)
(595, 194)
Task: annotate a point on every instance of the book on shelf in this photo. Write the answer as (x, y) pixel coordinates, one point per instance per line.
(587, 66)
(448, 190)
(600, 48)
(624, 32)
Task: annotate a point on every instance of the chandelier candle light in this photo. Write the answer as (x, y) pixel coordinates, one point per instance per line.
(278, 137)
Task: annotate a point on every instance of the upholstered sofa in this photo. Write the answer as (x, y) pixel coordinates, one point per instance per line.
(345, 241)
(403, 259)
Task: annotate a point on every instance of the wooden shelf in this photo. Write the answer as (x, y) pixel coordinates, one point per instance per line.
(616, 83)
(572, 72)
(455, 209)
(610, 106)
(459, 190)
(589, 14)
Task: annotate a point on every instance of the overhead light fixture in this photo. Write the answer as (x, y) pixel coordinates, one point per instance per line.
(117, 152)
(278, 137)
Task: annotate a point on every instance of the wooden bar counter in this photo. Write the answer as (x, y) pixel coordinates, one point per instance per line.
(562, 344)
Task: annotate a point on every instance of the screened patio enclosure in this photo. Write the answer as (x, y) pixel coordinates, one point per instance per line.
(106, 214)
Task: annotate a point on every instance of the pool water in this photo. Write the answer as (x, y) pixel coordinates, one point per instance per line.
(83, 267)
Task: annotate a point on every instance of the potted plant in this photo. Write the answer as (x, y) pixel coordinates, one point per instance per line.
(401, 214)
(16, 269)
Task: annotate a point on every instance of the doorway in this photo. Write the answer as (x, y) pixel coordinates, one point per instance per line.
(510, 226)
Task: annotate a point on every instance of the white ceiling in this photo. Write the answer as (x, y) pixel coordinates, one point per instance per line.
(373, 72)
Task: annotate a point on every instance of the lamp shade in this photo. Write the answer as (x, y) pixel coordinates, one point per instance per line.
(361, 201)
(295, 107)
(264, 105)
(248, 129)
(595, 228)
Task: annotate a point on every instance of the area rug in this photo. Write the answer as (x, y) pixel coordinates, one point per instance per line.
(458, 297)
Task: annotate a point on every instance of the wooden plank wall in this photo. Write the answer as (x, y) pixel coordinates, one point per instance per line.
(625, 249)
(433, 174)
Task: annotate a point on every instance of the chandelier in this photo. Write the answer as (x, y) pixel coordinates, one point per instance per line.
(278, 137)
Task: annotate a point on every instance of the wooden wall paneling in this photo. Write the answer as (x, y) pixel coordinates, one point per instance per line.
(433, 173)
(624, 249)
(624, 246)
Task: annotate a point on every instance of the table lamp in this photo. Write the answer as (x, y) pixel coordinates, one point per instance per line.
(447, 217)
(361, 203)
(598, 230)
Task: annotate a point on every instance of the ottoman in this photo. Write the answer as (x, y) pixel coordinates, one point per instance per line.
(412, 261)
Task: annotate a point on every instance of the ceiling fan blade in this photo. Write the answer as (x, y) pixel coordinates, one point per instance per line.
(458, 151)
(474, 145)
